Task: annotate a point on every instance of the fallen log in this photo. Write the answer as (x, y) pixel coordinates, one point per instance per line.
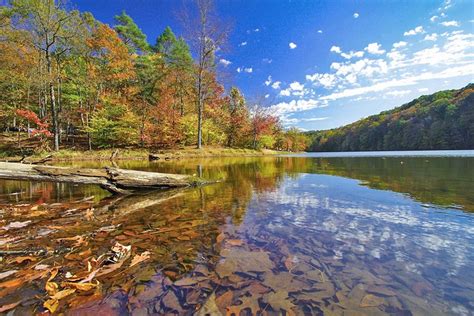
(115, 180)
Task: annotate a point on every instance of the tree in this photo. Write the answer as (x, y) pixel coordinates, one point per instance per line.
(238, 114)
(263, 124)
(51, 28)
(206, 34)
(131, 34)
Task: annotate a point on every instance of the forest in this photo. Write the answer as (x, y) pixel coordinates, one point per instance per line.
(443, 120)
(68, 80)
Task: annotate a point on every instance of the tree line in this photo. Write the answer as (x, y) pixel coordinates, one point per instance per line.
(71, 80)
(443, 120)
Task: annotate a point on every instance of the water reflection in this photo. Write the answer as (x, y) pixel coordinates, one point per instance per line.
(313, 239)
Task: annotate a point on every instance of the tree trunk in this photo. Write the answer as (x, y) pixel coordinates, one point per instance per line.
(114, 180)
(200, 106)
(54, 113)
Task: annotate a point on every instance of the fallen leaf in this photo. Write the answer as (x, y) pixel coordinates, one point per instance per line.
(16, 225)
(51, 288)
(235, 242)
(224, 301)
(20, 260)
(80, 286)
(371, 301)
(5, 274)
(171, 301)
(51, 305)
(279, 301)
(239, 260)
(220, 238)
(140, 258)
(210, 307)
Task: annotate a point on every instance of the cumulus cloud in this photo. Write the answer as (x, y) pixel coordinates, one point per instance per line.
(267, 96)
(352, 54)
(450, 23)
(243, 44)
(292, 45)
(276, 85)
(285, 92)
(335, 49)
(326, 80)
(431, 37)
(320, 31)
(416, 30)
(375, 49)
(433, 18)
(399, 44)
(296, 86)
(355, 15)
(225, 62)
(295, 106)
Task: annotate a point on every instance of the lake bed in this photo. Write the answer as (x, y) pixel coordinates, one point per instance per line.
(305, 234)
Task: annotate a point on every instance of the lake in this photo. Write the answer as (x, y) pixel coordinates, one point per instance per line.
(306, 234)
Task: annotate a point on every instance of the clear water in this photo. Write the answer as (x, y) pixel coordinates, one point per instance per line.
(294, 235)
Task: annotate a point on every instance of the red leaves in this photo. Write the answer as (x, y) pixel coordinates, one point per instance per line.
(31, 117)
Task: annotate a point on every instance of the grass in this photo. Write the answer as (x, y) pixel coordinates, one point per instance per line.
(139, 153)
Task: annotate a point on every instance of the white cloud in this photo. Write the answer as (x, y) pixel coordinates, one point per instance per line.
(295, 106)
(399, 44)
(276, 85)
(375, 49)
(296, 86)
(320, 31)
(416, 30)
(465, 70)
(314, 119)
(433, 18)
(225, 62)
(355, 15)
(450, 23)
(352, 54)
(326, 80)
(268, 81)
(243, 44)
(423, 90)
(433, 37)
(267, 96)
(257, 30)
(292, 45)
(267, 60)
(244, 69)
(335, 49)
(285, 93)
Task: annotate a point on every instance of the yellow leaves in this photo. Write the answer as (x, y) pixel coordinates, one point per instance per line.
(81, 286)
(53, 303)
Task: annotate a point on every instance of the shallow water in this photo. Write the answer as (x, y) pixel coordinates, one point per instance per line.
(303, 235)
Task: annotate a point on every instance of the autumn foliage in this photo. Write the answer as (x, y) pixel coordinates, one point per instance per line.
(104, 86)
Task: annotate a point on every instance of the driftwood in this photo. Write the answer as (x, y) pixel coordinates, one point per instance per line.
(112, 179)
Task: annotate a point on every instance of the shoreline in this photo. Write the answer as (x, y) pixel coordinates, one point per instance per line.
(140, 154)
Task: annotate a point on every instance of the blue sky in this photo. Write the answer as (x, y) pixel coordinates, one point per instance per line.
(323, 64)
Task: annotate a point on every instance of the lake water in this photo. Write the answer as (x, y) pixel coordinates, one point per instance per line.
(304, 234)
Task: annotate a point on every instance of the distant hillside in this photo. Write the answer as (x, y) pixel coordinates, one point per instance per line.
(443, 120)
